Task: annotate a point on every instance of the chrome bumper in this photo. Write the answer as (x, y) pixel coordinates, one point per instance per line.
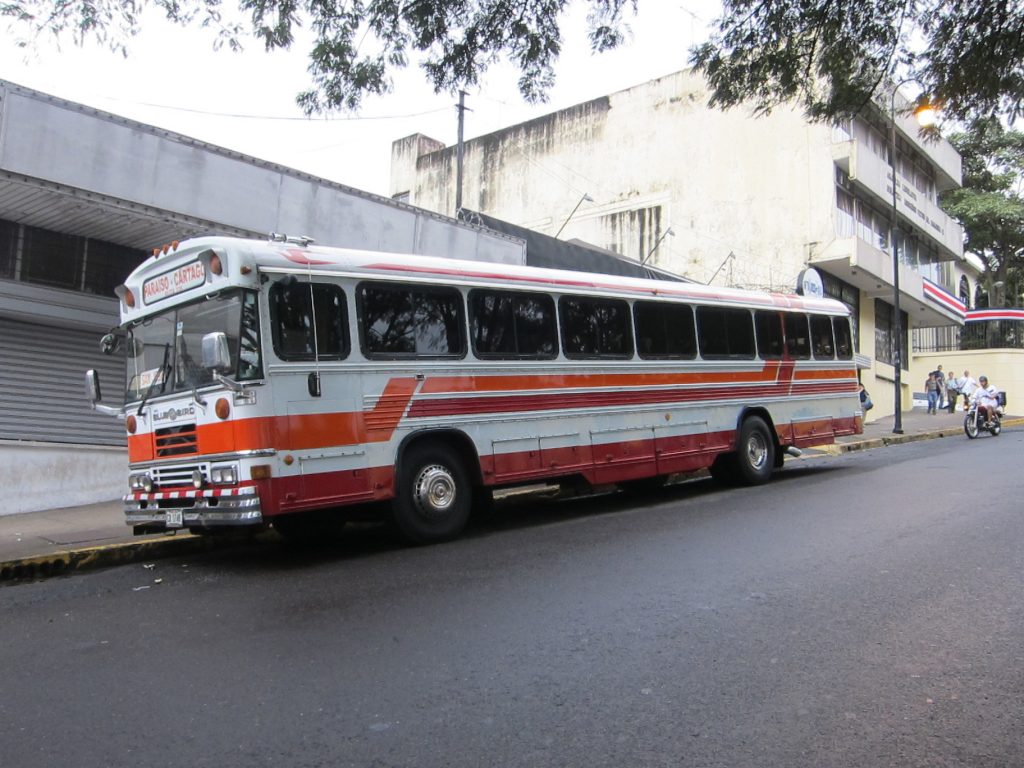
(198, 509)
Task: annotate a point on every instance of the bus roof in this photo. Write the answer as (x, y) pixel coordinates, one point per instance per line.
(171, 276)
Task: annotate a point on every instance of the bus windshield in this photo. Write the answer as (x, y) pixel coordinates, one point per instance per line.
(165, 350)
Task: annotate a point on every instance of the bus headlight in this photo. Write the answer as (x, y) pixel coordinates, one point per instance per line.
(140, 482)
(224, 475)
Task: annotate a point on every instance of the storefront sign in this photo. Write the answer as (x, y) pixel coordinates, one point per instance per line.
(808, 283)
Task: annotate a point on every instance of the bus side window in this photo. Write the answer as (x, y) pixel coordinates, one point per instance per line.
(798, 341)
(411, 321)
(821, 337)
(512, 325)
(593, 327)
(725, 333)
(844, 340)
(292, 321)
(664, 330)
(769, 334)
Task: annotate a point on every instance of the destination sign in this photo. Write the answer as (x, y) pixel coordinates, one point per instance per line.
(174, 282)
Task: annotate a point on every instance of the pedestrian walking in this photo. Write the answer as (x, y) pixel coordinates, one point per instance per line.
(931, 388)
(952, 391)
(940, 379)
(967, 387)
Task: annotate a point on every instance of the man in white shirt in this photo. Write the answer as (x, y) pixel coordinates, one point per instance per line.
(987, 398)
(967, 387)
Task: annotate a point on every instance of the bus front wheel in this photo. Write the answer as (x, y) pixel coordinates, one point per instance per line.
(755, 452)
(433, 495)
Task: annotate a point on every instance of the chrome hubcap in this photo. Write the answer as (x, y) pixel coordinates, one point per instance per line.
(757, 450)
(434, 491)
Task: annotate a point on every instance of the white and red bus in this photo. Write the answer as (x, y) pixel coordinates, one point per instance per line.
(267, 380)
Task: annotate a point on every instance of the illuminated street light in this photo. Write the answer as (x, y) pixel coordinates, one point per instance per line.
(926, 114)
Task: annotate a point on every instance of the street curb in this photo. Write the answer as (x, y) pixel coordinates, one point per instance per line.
(70, 561)
(837, 449)
(87, 558)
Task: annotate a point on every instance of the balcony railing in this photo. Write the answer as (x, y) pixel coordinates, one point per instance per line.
(980, 334)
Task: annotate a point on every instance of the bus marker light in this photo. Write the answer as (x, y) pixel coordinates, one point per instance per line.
(222, 409)
(129, 298)
(215, 266)
(289, 460)
(260, 472)
(131, 424)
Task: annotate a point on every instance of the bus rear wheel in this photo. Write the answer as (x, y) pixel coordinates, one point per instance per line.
(433, 496)
(755, 452)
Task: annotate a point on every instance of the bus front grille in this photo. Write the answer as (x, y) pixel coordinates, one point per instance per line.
(179, 440)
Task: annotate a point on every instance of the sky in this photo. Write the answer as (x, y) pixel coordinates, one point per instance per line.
(172, 78)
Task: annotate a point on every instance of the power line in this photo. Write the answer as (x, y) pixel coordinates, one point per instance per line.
(275, 117)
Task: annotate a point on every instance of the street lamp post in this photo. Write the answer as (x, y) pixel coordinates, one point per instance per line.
(925, 114)
(586, 198)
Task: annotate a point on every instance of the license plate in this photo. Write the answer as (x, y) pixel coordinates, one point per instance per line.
(173, 519)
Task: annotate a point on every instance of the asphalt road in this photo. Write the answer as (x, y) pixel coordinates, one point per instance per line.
(864, 610)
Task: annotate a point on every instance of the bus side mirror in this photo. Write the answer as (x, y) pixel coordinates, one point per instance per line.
(92, 387)
(93, 394)
(216, 355)
(110, 343)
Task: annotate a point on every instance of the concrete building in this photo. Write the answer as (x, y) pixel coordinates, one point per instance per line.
(84, 195)
(656, 175)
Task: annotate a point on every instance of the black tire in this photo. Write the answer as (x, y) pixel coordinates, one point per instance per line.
(996, 427)
(970, 426)
(755, 452)
(433, 495)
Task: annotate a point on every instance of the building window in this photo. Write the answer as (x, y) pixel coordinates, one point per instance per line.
(885, 348)
(8, 248)
(965, 291)
(52, 258)
(842, 291)
(64, 261)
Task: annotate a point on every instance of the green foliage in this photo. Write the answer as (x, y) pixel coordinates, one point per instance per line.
(357, 43)
(990, 205)
(833, 57)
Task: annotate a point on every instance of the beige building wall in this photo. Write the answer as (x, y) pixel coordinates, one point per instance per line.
(653, 157)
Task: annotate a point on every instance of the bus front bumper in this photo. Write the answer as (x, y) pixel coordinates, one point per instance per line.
(205, 509)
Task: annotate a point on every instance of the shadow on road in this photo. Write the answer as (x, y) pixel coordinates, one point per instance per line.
(370, 539)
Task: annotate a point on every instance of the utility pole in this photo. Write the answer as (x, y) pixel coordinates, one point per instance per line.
(459, 152)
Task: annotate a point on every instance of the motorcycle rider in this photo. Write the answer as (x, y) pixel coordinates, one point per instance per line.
(987, 398)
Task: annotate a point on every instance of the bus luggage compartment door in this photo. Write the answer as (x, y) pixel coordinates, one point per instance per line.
(623, 453)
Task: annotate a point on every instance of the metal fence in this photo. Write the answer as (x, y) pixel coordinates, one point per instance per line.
(982, 334)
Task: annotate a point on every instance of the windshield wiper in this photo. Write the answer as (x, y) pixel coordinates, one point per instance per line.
(161, 378)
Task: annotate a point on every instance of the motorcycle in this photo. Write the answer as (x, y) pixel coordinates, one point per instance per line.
(974, 422)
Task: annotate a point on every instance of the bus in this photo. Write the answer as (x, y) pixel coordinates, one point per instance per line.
(275, 382)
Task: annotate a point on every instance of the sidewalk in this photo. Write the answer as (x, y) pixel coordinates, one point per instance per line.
(36, 544)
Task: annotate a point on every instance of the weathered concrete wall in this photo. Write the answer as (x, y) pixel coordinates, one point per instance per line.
(655, 156)
(38, 476)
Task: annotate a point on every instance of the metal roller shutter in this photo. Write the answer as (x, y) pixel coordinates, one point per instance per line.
(42, 385)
